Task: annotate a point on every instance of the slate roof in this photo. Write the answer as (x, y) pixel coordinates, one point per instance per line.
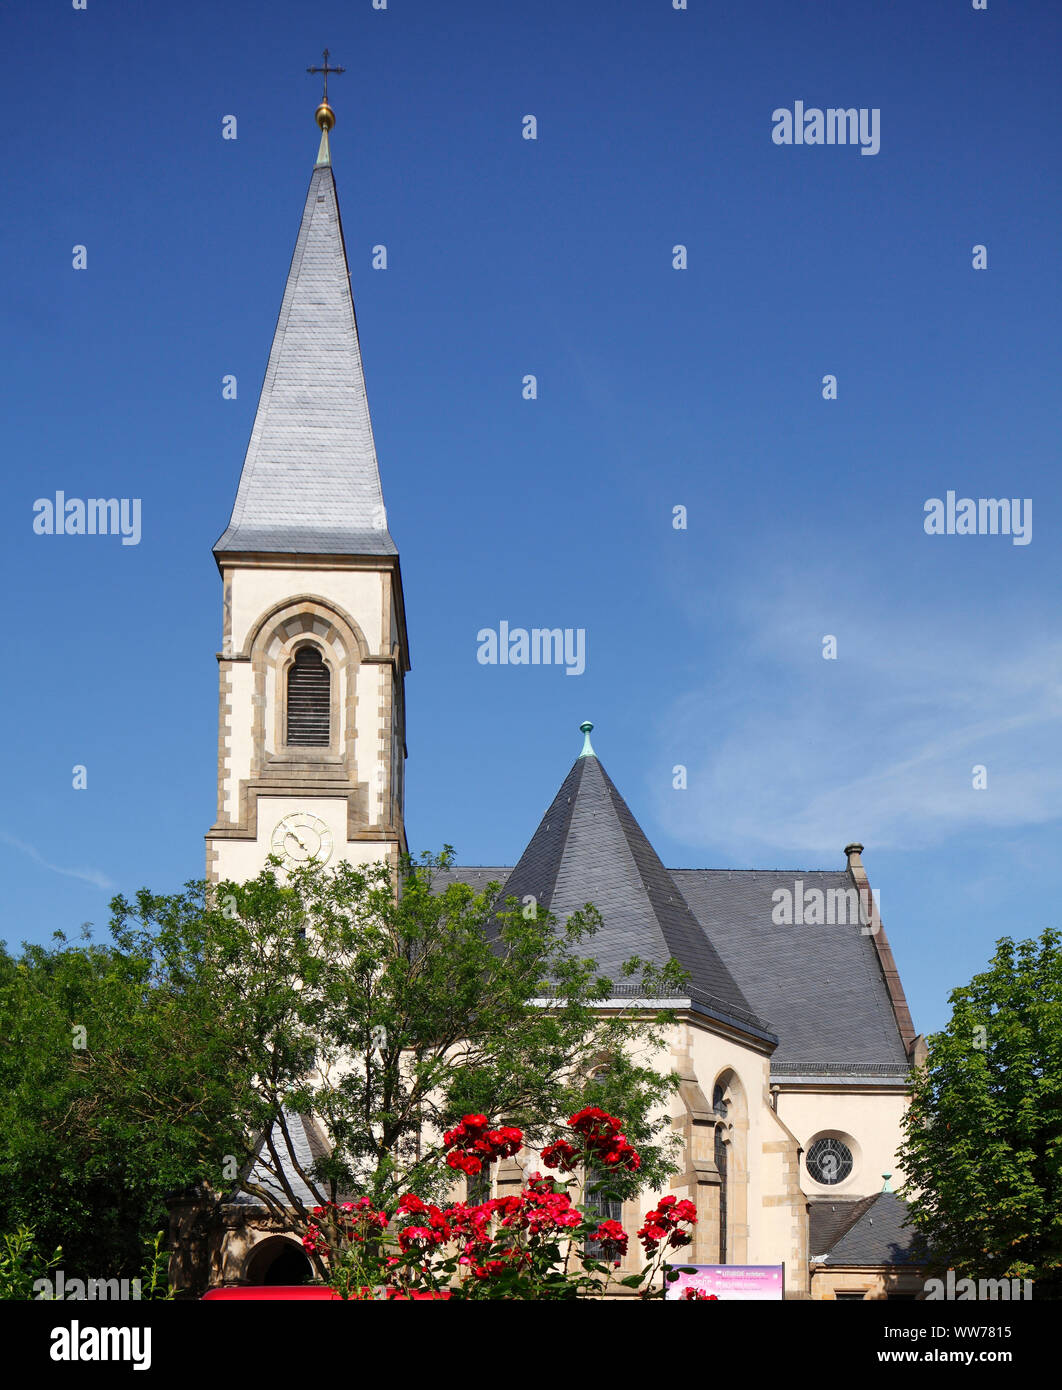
(830, 1217)
(820, 988)
(875, 1234)
(589, 848)
(309, 1145)
(311, 482)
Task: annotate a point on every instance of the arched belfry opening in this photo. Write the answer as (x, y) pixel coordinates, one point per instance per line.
(309, 702)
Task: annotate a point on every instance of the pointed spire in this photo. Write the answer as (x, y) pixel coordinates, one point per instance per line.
(311, 481)
(584, 728)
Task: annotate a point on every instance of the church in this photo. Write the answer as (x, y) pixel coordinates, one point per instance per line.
(793, 1041)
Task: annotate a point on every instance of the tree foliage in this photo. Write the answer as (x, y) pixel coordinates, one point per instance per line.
(115, 1090)
(983, 1145)
(379, 1001)
(388, 1015)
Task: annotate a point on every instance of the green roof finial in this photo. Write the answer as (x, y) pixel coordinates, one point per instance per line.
(887, 1187)
(584, 729)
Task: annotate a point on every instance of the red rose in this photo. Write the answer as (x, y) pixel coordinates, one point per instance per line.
(612, 1235)
(560, 1155)
(415, 1236)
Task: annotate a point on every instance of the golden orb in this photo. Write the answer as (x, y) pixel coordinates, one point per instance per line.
(325, 116)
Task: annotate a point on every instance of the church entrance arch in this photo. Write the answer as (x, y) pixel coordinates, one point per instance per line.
(278, 1260)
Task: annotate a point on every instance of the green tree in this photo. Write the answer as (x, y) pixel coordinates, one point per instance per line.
(22, 1264)
(983, 1145)
(115, 1090)
(365, 997)
(388, 1014)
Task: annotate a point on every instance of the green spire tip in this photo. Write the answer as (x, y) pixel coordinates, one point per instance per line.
(584, 729)
(324, 155)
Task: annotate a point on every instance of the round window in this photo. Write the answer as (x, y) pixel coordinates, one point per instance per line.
(829, 1161)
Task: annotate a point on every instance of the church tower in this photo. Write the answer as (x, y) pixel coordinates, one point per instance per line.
(311, 723)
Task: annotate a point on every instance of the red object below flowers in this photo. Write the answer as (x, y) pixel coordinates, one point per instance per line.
(244, 1292)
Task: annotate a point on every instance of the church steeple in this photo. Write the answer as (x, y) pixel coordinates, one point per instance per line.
(311, 730)
(311, 481)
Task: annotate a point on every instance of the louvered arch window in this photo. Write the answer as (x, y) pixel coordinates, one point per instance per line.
(309, 700)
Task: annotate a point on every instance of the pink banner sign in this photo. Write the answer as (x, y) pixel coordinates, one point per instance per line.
(730, 1283)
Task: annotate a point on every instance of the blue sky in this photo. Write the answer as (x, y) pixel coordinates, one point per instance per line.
(658, 388)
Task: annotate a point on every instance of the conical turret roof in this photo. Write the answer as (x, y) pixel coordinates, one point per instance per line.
(589, 848)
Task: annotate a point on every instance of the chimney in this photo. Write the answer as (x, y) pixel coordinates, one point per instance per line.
(876, 929)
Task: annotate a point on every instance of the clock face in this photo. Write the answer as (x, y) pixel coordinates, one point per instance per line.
(301, 837)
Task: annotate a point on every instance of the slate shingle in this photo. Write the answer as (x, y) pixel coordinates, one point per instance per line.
(878, 1235)
(820, 987)
(830, 1217)
(310, 481)
(589, 848)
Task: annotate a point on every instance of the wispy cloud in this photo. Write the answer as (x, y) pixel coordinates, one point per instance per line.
(93, 876)
(793, 753)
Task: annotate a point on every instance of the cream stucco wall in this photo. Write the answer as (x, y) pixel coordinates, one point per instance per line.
(362, 594)
(351, 611)
(242, 859)
(868, 1122)
(768, 1222)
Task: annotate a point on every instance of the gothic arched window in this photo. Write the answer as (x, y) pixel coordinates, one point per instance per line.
(719, 1105)
(309, 700)
(599, 1205)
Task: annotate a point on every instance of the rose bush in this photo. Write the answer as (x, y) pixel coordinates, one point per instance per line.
(531, 1244)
